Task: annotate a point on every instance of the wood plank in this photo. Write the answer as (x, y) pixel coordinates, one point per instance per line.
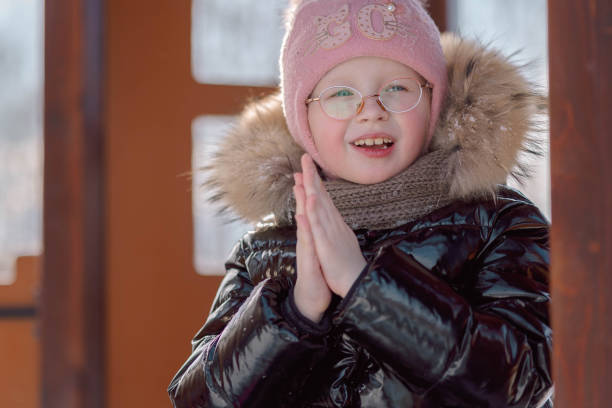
(72, 312)
(19, 336)
(20, 357)
(580, 40)
(438, 11)
(25, 290)
(156, 300)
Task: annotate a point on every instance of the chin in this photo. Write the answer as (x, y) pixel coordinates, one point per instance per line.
(372, 178)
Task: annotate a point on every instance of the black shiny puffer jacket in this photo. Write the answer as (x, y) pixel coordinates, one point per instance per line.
(451, 311)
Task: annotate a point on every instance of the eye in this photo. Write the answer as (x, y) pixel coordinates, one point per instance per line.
(395, 88)
(342, 92)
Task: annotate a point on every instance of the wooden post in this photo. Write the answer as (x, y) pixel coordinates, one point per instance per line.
(438, 11)
(72, 309)
(580, 40)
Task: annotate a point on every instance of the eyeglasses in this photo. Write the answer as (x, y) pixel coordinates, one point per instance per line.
(398, 96)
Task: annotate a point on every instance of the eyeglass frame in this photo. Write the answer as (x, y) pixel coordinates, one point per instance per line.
(377, 96)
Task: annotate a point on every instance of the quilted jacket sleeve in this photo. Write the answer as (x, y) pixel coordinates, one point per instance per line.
(246, 347)
(479, 341)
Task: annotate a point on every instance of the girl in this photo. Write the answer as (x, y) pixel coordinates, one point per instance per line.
(396, 269)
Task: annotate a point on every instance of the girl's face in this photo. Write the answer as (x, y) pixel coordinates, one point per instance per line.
(335, 139)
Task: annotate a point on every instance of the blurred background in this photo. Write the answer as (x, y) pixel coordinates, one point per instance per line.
(105, 106)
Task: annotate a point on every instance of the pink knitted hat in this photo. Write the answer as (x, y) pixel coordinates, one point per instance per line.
(323, 33)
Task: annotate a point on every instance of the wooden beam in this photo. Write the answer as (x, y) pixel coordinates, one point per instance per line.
(221, 99)
(580, 40)
(438, 11)
(72, 301)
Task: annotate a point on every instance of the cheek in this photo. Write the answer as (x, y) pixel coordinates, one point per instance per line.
(415, 122)
(424, 112)
(326, 132)
(415, 126)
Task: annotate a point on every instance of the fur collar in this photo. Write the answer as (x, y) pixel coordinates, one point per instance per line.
(487, 120)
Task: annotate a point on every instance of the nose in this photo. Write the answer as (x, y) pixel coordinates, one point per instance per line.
(371, 109)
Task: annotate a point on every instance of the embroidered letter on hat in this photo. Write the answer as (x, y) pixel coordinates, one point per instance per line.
(328, 37)
(366, 24)
(324, 38)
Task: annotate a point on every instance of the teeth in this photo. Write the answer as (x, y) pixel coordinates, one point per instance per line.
(372, 142)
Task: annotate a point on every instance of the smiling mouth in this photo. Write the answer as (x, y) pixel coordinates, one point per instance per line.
(374, 143)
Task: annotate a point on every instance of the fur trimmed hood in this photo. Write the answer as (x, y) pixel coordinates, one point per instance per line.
(488, 119)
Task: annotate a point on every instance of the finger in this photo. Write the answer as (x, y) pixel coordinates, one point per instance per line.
(321, 215)
(314, 185)
(298, 178)
(325, 205)
(300, 199)
(305, 224)
(305, 228)
(315, 219)
(332, 214)
(325, 221)
(307, 238)
(306, 245)
(315, 176)
(310, 177)
(325, 201)
(308, 171)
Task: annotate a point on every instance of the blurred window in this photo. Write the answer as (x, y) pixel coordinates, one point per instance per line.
(236, 42)
(214, 236)
(21, 132)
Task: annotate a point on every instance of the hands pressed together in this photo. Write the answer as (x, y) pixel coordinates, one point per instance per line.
(329, 259)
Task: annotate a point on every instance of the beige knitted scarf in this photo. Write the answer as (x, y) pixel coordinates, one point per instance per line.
(417, 191)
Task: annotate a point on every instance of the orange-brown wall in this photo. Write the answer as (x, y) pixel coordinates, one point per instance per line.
(19, 339)
(155, 300)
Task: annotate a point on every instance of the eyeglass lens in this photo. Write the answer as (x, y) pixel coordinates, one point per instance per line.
(342, 102)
